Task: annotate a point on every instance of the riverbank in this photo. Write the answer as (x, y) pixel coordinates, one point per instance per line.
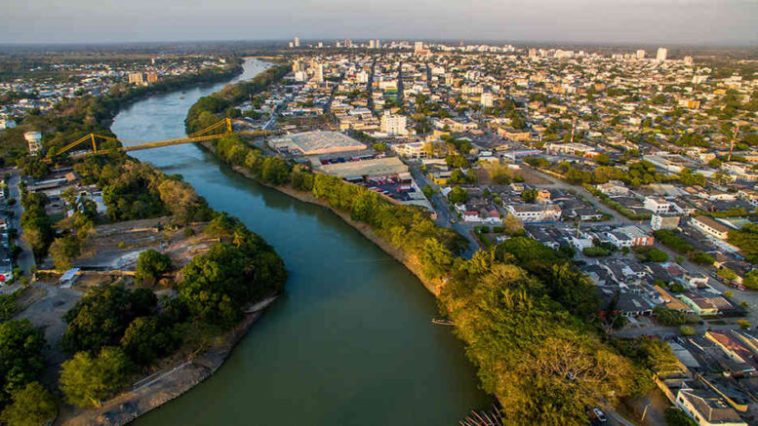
(178, 375)
(171, 382)
(351, 341)
(412, 263)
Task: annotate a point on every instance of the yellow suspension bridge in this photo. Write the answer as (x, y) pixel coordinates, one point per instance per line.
(215, 131)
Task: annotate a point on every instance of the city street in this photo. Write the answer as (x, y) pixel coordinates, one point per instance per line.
(445, 217)
(25, 258)
(739, 296)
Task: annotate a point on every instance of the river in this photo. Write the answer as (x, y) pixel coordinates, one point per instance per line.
(349, 343)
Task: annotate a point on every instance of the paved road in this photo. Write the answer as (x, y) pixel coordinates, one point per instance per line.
(617, 218)
(26, 258)
(444, 217)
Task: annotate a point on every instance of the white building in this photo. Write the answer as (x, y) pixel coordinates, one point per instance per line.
(34, 141)
(318, 75)
(661, 55)
(707, 408)
(531, 213)
(629, 236)
(487, 99)
(361, 77)
(710, 227)
(393, 124)
(296, 42)
(657, 205)
(641, 54)
(410, 150)
(658, 221)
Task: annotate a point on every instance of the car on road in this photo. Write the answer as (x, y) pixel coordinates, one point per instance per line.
(598, 417)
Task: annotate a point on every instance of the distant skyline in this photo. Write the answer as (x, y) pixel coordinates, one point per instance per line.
(700, 22)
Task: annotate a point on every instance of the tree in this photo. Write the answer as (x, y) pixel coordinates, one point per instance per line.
(32, 406)
(677, 417)
(21, 359)
(216, 285)
(275, 170)
(539, 362)
(456, 161)
(100, 318)
(747, 241)
(727, 274)
(7, 306)
(435, 258)
(529, 195)
(182, 201)
(85, 380)
(651, 254)
(513, 225)
(64, 250)
(151, 264)
(457, 195)
(751, 280)
(147, 339)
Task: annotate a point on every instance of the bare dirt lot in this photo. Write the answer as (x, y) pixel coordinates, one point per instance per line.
(117, 246)
(44, 304)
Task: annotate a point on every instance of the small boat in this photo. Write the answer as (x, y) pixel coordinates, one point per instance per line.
(441, 321)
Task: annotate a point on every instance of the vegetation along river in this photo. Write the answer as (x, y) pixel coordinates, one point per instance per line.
(351, 340)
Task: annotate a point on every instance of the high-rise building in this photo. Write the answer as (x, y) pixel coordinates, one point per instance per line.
(152, 77)
(393, 124)
(371, 44)
(348, 43)
(688, 60)
(319, 74)
(641, 54)
(661, 55)
(377, 44)
(418, 46)
(296, 42)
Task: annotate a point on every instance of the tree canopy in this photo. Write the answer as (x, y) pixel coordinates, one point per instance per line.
(21, 359)
(86, 380)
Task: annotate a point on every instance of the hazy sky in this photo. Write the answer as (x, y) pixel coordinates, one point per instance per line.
(600, 21)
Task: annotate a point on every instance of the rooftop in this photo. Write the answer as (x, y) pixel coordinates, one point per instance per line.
(318, 142)
(375, 167)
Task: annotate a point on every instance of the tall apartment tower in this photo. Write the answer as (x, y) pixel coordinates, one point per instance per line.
(296, 42)
(318, 75)
(661, 55)
(641, 54)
